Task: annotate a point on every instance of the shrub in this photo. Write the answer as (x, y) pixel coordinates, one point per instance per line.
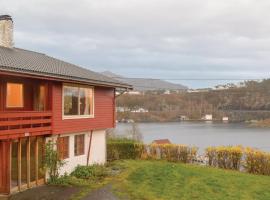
(172, 152)
(257, 162)
(211, 153)
(124, 149)
(62, 180)
(66, 180)
(90, 172)
(236, 156)
(225, 157)
(152, 151)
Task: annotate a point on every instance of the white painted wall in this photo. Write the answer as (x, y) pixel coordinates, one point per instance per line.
(98, 148)
(97, 151)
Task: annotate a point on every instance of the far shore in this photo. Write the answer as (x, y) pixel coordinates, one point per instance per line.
(262, 123)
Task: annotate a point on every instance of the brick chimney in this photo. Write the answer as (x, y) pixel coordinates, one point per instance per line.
(6, 31)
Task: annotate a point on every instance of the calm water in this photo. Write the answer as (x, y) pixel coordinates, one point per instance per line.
(203, 134)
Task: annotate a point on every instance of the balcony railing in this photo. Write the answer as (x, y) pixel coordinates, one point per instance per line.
(26, 123)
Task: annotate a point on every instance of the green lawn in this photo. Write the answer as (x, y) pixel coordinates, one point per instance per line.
(156, 180)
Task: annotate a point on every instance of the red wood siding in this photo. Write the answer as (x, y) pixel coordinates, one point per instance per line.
(4, 167)
(103, 111)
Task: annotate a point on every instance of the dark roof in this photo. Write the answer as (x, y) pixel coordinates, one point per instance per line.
(33, 63)
(162, 141)
(5, 17)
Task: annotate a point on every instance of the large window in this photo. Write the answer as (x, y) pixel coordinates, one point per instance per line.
(63, 147)
(78, 101)
(79, 145)
(14, 95)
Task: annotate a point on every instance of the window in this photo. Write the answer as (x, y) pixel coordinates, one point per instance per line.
(14, 95)
(79, 145)
(78, 101)
(63, 147)
(39, 97)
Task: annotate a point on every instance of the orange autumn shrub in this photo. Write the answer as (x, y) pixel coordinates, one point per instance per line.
(172, 152)
(225, 157)
(257, 162)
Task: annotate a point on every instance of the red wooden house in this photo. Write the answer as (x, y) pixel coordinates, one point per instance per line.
(42, 97)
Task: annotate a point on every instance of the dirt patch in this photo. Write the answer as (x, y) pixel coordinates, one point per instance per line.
(46, 193)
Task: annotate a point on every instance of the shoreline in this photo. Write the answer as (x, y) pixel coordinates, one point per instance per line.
(261, 124)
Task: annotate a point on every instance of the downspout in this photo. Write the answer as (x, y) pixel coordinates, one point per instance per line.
(89, 148)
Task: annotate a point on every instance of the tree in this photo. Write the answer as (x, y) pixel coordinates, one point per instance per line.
(135, 132)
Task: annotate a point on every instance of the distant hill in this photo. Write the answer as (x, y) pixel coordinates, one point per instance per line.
(145, 84)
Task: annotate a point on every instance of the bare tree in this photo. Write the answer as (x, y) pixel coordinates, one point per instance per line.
(135, 132)
(111, 133)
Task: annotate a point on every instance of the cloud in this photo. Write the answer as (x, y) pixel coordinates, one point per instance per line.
(154, 38)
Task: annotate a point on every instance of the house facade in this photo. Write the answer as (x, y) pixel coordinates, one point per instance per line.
(41, 99)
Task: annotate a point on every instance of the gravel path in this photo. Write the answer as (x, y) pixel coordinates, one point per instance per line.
(46, 193)
(104, 193)
(64, 193)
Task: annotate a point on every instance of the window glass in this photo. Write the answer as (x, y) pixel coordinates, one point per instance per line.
(71, 95)
(78, 101)
(85, 101)
(14, 95)
(39, 97)
(79, 145)
(63, 147)
(24, 161)
(32, 159)
(14, 164)
(41, 154)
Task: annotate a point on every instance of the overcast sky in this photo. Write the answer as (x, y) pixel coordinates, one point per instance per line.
(168, 39)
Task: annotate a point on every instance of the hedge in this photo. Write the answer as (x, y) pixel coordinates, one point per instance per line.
(124, 149)
(226, 157)
(130, 149)
(238, 158)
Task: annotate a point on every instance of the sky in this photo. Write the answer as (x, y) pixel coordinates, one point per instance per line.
(175, 40)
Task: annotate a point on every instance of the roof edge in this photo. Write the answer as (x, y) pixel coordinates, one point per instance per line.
(67, 78)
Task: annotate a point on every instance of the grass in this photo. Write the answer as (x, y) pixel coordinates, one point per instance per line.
(161, 180)
(156, 180)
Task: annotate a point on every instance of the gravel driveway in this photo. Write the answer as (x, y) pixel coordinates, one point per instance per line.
(64, 193)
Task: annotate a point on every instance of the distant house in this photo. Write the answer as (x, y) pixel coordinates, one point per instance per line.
(225, 119)
(167, 92)
(199, 90)
(162, 141)
(221, 87)
(208, 117)
(42, 99)
(183, 118)
(134, 93)
(140, 110)
(122, 109)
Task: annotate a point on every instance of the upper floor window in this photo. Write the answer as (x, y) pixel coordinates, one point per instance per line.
(14, 95)
(78, 101)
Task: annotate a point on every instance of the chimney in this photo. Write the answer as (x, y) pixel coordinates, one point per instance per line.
(6, 31)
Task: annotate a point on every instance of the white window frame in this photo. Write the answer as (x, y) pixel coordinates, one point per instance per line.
(77, 116)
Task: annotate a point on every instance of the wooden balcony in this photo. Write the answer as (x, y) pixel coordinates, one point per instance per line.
(24, 123)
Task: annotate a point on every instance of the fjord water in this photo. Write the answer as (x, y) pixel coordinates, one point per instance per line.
(203, 134)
